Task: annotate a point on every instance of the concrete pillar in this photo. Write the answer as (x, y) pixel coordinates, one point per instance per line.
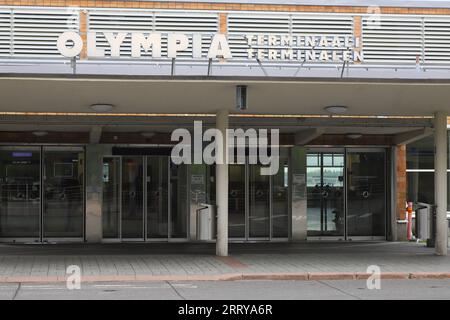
(222, 187)
(94, 183)
(299, 223)
(440, 181)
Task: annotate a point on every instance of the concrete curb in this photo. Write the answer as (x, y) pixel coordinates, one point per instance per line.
(306, 276)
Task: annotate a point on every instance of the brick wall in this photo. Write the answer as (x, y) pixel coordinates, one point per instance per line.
(218, 6)
(401, 181)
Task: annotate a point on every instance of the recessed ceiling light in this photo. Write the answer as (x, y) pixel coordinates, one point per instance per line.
(336, 109)
(102, 107)
(40, 133)
(353, 135)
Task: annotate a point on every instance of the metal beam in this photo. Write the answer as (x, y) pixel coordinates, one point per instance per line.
(304, 136)
(411, 136)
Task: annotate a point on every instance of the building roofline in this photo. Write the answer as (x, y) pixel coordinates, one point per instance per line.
(352, 3)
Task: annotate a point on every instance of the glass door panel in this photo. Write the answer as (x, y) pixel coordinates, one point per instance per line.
(366, 194)
(63, 183)
(179, 200)
(259, 203)
(280, 198)
(111, 198)
(20, 192)
(325, 187)
(157, 197)
(132, 198)
(314, 192)
(236, 201)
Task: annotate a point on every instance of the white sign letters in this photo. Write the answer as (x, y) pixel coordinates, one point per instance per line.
(271, 47)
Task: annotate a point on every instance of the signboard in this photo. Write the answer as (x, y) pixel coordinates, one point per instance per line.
(270, 47)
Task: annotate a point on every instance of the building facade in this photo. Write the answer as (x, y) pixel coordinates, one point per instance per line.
(92, 91)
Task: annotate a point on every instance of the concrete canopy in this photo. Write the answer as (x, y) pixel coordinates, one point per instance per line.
(191, 95)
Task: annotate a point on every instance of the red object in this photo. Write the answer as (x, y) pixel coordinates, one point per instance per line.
(409, 225)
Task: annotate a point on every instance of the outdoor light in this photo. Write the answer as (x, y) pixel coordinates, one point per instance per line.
(40, 133)
(336, 109)
(100, 107)
(241, 97)
(353, 135)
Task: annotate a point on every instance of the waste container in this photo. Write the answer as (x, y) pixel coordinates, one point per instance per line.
(206, 222)
(425, 223)
(422, 221)
(432, 238)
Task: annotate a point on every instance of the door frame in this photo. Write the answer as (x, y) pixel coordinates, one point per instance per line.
(346, 151)
(386, 166)
(62, 239)
(144, 238)
(342, 151)
(41, 238)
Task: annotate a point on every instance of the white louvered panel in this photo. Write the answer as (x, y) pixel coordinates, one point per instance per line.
(437, 40)
(393, 40)
(36, 31)
(323, 24)
(148, 21)
(5, 33)
(188, 23)
(240, 24)
(117, 21)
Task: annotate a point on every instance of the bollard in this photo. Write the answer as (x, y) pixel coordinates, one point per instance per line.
(409, 225)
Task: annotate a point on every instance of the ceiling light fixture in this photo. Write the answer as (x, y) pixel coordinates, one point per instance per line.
(102, 107)
(40, 133)
(147, 134)
(353, 135)
(336, 109)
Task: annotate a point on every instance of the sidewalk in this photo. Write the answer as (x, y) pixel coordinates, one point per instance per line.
(184, 262)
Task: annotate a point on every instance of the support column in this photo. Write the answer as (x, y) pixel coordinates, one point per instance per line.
(222, 187)
(440, 181)
(94, 183)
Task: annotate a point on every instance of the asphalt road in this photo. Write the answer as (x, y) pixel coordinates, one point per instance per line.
(231, 290)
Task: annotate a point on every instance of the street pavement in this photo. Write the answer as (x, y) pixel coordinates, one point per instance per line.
(232, 290)
(137, 261)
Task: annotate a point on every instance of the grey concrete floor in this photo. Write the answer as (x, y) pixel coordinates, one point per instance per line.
(232, 290)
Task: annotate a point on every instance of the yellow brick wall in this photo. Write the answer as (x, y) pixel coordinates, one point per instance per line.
(218, 6)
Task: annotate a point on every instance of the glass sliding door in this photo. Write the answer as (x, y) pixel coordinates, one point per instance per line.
(111, 197)
(132, 219)
(157, 197)
(280, 199)
(325, 189)
(259, 203)
(236, 201)
(138, 208)
(20, 192)
(63, 183)
(366, 197)
(178, 201)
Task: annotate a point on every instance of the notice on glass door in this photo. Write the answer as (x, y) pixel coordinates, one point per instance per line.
(299, 186)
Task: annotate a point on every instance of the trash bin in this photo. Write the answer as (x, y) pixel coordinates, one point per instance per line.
(206, 222)
(422, 221)
(432, 238)
(425, 223)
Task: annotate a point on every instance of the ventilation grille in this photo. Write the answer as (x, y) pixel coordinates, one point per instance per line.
(311, 24)
(35, 32)
(437, 40)
(146, 22)
(5, 33)
(392, 40)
